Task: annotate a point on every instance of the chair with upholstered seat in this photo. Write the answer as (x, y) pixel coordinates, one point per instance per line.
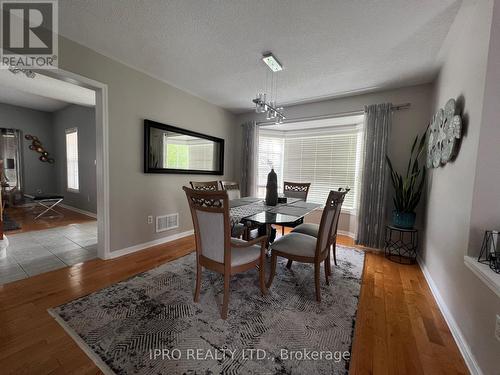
(215, 249)
(232, 188)
(233, 192)
(313, 229)
(205, 185)
(308, 249)
(298, 190)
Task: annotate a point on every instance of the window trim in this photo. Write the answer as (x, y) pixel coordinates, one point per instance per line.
(71, 131)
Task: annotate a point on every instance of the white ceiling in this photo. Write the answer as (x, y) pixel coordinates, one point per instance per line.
(27, 100)
(212, 48)
(42, 92)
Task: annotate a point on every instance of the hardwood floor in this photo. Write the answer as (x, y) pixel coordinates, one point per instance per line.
(24, 216)
(399, 328)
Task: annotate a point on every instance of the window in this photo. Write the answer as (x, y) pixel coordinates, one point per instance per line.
(72, 159)
(186, 152)
(270, 156)
(328, 156)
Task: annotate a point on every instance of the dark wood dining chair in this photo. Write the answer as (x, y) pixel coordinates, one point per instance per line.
(215, 249)
(312, 229)
(205, 185)
(298, 190)
(303, 248)
(233, 192)
(232, 188)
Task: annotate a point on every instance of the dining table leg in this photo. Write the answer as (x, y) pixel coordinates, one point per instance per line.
(270, 232)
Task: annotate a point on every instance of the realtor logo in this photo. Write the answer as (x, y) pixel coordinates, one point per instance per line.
(29, 34)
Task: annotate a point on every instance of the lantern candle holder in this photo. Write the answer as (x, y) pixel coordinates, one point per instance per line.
(490, 250)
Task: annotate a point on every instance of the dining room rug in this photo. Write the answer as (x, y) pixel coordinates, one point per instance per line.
(149, 323)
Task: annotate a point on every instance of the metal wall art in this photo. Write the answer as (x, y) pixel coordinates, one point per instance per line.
(36, 146)
(444, 132)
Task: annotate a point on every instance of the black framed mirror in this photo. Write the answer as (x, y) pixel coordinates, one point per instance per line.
(168, 149)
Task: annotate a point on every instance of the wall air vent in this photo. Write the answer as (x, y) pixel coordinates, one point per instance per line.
(167, 222)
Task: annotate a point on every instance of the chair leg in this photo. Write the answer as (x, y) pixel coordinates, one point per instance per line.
(328, 264)
(225, 301)
(198, 283)
(273, 270)
(289, 264)
(327, 271)
(262, 276)
(282, 230)
(317, 268)
(334, 247)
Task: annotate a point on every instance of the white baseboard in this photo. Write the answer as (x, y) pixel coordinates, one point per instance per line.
(464, 348)
(346, 233)
(80, 211)
(145, 245)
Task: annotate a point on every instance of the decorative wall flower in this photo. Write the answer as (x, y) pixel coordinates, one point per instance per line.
(37, 146)
(444, 131)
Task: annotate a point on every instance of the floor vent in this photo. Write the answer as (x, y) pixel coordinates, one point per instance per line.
(167, 222)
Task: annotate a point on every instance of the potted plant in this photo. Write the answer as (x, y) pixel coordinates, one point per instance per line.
(408, 188)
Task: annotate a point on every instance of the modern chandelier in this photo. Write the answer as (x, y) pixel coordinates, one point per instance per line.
(267, 102)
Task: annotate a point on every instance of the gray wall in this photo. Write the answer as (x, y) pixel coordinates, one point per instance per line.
(405, 125)
(486, 201)
(471, 303)
(36, 174)
(82, 118)
(133, 97)
(50, 129)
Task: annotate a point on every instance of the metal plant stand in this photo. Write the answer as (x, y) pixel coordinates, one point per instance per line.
(401, 244)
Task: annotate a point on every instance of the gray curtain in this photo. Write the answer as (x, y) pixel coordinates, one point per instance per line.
(373, 197)
(249, 159)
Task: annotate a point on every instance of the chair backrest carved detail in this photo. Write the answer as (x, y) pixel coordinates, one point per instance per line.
(205, 185)
(298, 190)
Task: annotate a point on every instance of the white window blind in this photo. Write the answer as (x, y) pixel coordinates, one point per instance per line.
(72, 159)
(270, 156)
(201, 156)
(327, 161)
(327, 157)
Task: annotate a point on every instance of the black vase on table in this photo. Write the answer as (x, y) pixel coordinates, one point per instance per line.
(272, 188)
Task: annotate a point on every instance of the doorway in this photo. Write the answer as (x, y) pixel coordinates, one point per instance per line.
(71, 230)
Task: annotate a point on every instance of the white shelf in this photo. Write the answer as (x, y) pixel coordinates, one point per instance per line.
(485, 274)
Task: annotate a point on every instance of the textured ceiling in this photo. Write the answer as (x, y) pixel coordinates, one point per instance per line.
(212, 48)
(42, 92)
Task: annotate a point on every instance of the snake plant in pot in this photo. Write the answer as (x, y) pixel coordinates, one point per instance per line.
(408, 187)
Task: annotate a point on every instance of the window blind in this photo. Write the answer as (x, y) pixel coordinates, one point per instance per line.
(72, 159)
(327, 161)
(201, 156)
(270, 156)
(327, 157)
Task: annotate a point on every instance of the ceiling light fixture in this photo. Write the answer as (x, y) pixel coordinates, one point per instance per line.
(272, 62)
(267, 102)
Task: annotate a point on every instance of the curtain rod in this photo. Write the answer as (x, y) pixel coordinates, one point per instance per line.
(397, 107)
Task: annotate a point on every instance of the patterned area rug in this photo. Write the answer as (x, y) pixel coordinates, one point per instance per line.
(149, 324)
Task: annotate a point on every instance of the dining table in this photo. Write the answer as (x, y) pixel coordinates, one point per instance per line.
(255, 211)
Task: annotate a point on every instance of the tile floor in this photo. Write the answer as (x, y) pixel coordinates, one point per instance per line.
(36, 252)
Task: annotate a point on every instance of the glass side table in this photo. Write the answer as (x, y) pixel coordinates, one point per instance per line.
(401, 244)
